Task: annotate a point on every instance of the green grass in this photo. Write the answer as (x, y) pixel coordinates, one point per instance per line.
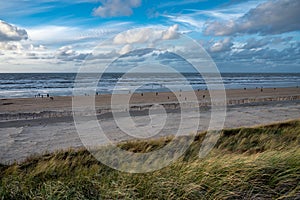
(247, 163)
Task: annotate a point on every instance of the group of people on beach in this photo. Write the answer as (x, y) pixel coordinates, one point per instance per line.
(43, 95)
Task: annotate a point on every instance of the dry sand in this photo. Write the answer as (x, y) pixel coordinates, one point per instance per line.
(34, 126)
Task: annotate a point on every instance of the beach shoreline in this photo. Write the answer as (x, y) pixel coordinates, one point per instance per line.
(24, 133)
(61, 106)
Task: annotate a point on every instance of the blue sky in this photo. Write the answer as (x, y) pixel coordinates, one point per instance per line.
(239, 35)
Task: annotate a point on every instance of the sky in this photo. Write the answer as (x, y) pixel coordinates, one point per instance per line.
(59, 35)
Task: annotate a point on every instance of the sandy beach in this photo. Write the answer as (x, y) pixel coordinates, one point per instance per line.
(31, 105)
(36, 125)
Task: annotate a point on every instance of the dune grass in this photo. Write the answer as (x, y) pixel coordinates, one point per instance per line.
(247, 163)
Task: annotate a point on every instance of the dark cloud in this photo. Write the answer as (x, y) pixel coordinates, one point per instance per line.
(66, 53)
(253, 43)
(139, 52)
(9, 32)
(272, 17)
(146, 58)
(267, 56)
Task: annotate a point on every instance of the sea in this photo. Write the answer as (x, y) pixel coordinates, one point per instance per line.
(27, 85)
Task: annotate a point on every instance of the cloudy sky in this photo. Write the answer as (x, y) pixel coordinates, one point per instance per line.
(239, 35)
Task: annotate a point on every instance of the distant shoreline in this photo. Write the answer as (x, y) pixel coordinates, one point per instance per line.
(124, 92)
(20, 85)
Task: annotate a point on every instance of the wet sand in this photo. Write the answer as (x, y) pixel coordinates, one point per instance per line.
(65, 103)
(32, 108)
(36, 125)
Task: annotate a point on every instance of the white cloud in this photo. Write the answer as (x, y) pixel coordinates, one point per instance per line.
(114, 8)
(171, 33)
(127, 48)
(146, 35)
(221, 46)
(230, 11)
(9, 32)
(50, 44)
(17, 52)
(13, 41)
(195, 19)
(53, 34)
(65, 51)
(11, 46)
(186, 20)
(272, 17)
(37, 48)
